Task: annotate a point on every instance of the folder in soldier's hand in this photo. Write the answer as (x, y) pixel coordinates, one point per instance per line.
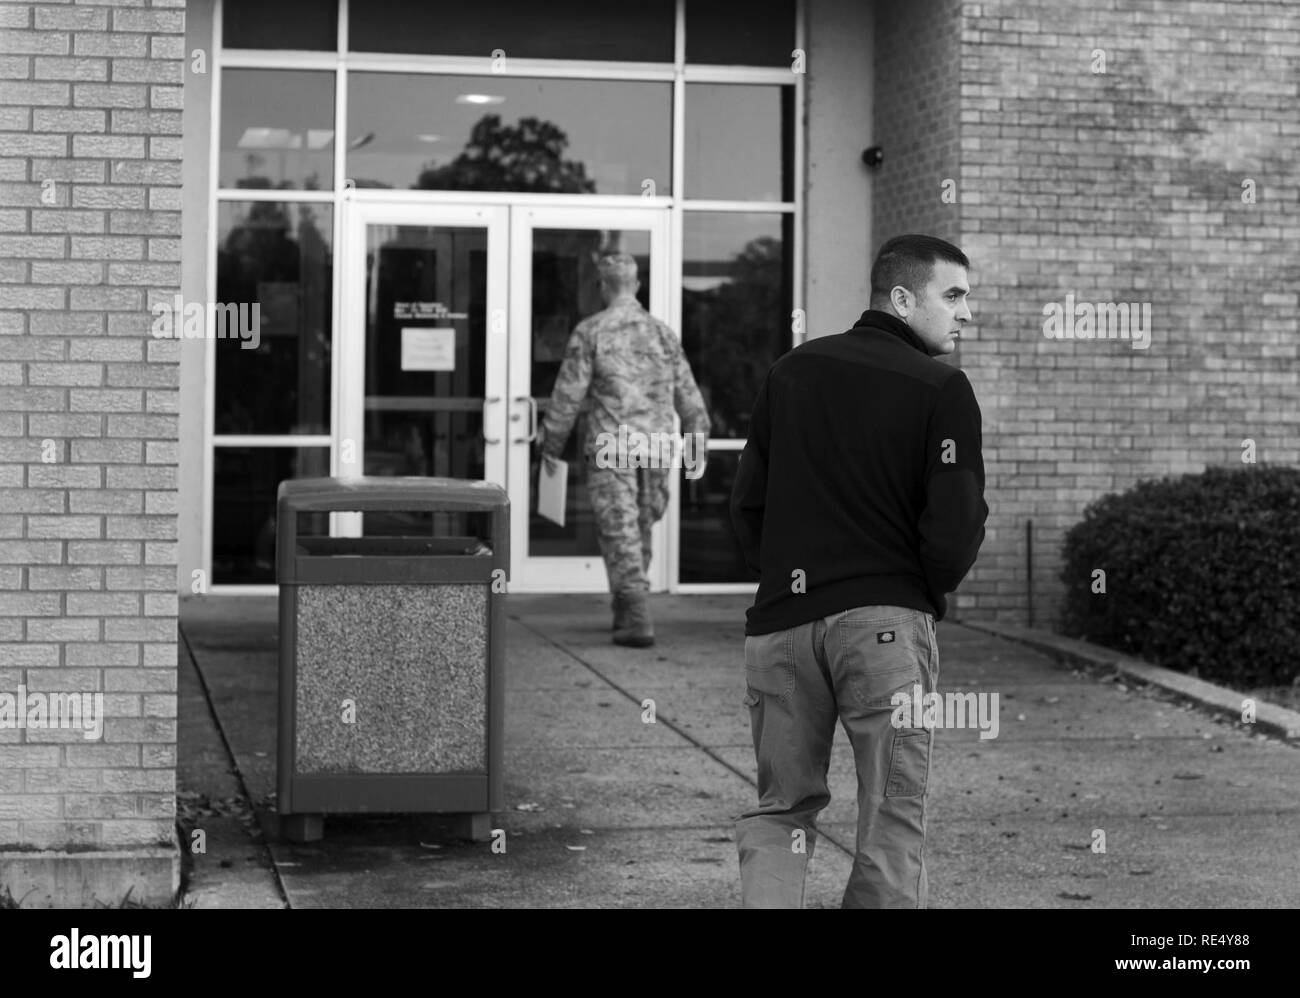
(552, 488)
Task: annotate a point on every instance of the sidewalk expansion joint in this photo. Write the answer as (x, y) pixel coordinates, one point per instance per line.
(667, 722)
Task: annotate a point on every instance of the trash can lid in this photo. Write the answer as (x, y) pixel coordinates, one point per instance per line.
(368, 493)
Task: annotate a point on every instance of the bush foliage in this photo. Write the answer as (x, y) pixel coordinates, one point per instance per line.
(1202, 574)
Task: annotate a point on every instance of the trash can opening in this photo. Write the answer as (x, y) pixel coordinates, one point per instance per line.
(393, 547)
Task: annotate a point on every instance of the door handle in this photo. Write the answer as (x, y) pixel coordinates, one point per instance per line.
(487, 402)
(532, 419)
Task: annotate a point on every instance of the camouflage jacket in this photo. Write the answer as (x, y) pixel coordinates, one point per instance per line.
(628, 368)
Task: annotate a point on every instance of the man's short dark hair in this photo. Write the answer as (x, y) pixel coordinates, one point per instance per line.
(909, 261)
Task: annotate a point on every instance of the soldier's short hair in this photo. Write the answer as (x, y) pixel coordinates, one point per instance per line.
(908, 261)
(617, 270)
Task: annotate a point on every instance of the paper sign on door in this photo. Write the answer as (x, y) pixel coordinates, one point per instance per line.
(429, 348)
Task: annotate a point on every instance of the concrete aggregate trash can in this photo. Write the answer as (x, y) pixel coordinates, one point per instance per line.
(392, 655)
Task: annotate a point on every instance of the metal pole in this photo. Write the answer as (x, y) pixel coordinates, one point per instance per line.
(1029, 567)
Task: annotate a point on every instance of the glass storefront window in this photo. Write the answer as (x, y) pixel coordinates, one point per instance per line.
(277, 129)
(736, 303)
(739, 142)
(285, 24)
(245, 480)
(274, 264)
(709, 551)
(490, 133)
(523, 29)
(740, 32)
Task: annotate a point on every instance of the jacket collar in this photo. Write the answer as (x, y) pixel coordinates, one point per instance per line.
(875, 319)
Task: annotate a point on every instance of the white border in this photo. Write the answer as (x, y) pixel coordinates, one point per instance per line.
(210, 352)
(272, 440)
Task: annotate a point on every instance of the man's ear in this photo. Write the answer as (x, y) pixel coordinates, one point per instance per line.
(901, 299)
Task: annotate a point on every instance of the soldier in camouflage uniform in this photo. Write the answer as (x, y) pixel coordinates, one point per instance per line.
(629, 371)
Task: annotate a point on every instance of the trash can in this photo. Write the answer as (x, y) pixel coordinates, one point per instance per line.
(391, 654)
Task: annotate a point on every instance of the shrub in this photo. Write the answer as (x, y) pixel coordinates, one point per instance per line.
(1202, 574)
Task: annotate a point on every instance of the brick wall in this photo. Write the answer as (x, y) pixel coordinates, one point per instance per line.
(1124, 186)
(915, 114)
(90, 125)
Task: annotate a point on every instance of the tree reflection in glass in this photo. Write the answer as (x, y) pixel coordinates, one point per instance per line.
(526, 157)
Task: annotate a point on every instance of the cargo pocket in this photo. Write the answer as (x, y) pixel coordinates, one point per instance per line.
(909, 763)
(769, 666)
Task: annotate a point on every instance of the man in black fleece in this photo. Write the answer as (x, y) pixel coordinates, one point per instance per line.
(860, 502)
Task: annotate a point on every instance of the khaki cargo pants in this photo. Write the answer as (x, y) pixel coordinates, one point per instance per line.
(799, 681)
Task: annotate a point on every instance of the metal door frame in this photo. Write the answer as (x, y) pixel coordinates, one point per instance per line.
(349, 365)
(571, 574)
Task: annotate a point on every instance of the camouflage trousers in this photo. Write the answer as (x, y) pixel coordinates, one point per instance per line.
(626, 504)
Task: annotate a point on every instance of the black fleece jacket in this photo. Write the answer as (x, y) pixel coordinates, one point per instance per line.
(862, 482)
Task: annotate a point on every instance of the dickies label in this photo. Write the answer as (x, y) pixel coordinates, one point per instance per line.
(884, 637)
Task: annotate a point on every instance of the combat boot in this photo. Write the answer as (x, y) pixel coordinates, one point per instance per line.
(637, 630)
(619, 605)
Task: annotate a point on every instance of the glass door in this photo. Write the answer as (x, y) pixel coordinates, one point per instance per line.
(422, 371)
(553, 286)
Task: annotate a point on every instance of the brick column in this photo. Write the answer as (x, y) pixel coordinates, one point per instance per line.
(90, 225)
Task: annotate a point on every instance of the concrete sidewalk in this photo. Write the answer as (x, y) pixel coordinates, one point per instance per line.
(604, 810)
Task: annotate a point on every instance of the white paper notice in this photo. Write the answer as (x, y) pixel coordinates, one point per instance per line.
(429, 348)
(552, 489)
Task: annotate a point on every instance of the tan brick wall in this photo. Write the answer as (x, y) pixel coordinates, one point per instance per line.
(1126, 187)
(90, 124)
(915, 118)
